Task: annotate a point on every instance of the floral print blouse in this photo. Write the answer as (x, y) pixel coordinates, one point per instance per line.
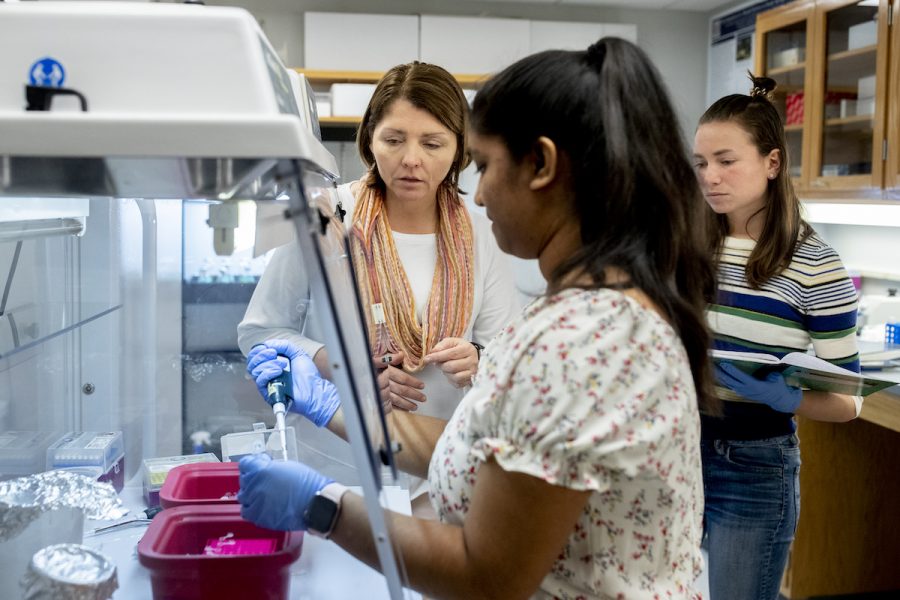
(589, 390)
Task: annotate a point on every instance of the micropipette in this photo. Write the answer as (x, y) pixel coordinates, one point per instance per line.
(278, 396)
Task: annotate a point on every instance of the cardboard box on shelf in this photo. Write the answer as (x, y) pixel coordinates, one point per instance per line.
(793, 113)
(833, 106)
(835, 170)
(323, 104)
(862, 35)
(789, 56)
(865, 87)
(350, 99)
(865, 106)
(848, 108)
(857, 107)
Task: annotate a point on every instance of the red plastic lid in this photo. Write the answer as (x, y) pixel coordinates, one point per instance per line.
(200, 483)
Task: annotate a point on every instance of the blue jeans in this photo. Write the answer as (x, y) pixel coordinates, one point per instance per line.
(752, 494)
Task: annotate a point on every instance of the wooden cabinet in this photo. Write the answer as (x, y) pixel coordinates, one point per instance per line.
(830, 59)
(892, 166)
(848, 537)
(784, 52)
(849, 98)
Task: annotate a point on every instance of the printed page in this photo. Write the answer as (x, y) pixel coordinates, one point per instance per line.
(814, 363)
(754, 357)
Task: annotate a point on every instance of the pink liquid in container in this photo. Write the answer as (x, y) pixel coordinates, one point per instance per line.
(176, 550)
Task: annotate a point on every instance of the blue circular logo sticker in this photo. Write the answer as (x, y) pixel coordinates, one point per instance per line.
(47, 72)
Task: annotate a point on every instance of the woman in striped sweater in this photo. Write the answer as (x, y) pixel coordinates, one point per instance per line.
(781, 288)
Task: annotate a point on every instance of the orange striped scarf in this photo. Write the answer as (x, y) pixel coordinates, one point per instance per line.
(382, 280)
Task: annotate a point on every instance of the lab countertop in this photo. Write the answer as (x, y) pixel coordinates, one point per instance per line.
(883, 408)
(323, 571)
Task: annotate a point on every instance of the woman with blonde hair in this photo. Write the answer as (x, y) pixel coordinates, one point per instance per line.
(434, 285)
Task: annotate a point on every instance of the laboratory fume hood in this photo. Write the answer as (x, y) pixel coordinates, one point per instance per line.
(133, 135)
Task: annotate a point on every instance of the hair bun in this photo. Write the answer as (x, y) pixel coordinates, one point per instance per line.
(596, 53)
(762, 86)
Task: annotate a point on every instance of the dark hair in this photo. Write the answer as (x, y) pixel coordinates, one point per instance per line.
(427, 87)
(633, 188)
(782, 228)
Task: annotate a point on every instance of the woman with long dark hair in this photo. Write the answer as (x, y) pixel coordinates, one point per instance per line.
(572, 467)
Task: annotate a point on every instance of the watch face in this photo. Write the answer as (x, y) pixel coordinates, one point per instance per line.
(321, 514)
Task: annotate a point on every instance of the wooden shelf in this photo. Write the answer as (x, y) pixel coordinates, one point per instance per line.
(470, 79)
(854, 120)
(845, 68)
(786, 69)
(319, 76)
(793, 127)
(316, 76)
(784, 89)
(847, 54)
(340, 121)
(842, 184)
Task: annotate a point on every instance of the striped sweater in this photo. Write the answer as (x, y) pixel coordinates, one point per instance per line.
(812, 301)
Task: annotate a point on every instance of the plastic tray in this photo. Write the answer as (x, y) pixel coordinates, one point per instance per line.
(24, 452)
(155, 471)
(172, 550)
(200, 483)
(93, 453)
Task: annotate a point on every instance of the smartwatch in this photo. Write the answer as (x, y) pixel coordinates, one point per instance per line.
(324, 509)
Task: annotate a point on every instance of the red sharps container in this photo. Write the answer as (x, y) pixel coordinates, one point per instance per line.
(201, 483)
(209, 552)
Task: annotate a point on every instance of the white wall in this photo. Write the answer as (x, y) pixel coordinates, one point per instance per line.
(676, 41)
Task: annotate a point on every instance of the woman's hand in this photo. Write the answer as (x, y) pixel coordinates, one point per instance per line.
(313, 397)
(398, 388)
(457, 358)
(772, 390)
(275, 494)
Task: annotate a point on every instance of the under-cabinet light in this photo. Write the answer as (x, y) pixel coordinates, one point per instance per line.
(877, 215)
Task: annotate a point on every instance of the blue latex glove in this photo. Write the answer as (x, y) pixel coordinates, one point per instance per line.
(314, 397)
(275, 494)
(773, 390)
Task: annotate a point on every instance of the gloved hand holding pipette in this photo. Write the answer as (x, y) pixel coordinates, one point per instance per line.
(313, 397)
(275, 495)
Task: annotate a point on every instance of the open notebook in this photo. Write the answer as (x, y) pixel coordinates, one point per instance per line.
(805, 371)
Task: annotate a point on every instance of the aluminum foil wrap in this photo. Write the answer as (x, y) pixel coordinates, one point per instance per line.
(22, 500)
(70, 572)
